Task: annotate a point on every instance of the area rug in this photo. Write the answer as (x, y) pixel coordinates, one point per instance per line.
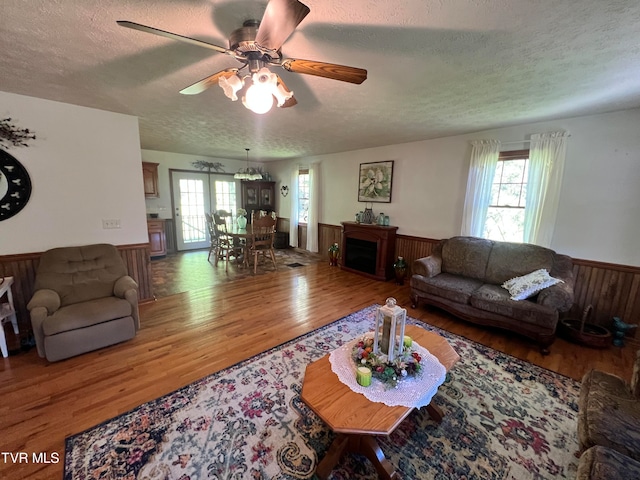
(504, 419)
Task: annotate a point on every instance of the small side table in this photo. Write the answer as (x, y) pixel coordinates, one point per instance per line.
(7, 312)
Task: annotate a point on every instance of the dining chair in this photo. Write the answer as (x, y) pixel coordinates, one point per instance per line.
(227, 246)
(213, 236)
(263, 231)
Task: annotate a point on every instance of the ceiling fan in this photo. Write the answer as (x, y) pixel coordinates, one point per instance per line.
(256, 45)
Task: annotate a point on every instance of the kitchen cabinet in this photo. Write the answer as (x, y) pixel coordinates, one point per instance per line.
(150, 179)
(157, 237)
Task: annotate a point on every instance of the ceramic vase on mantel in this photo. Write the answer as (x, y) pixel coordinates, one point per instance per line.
(367, 216)
(242, 222)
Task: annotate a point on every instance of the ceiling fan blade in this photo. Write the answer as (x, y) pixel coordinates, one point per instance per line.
(280, 19)
(174, 36)
(326, 70)
(291, 101)
(207, 82)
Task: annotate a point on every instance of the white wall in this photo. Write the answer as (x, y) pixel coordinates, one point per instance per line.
(178, 161)
(599, 213)
(84, 167)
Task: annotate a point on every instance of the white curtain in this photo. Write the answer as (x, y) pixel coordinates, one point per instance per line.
(293, 220)
(312, 220)
(546, 167)
(484, 159)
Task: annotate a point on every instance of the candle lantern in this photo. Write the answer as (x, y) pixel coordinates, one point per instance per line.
(389, 333)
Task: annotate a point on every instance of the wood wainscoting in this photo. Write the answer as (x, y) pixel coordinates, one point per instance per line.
(612, 290)
(22, 267)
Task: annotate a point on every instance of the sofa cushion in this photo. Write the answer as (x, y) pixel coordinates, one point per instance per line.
(528, 285)
(85, 314)
(446, 285)
(466, 256)
(509, 260)
(601, 463)
(495, 299)
(608, 414)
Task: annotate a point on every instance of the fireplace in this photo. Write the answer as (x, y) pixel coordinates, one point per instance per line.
(361, 255)
(368, 249)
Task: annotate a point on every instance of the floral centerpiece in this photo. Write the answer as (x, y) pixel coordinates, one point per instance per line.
(242, 218)
(389, 373)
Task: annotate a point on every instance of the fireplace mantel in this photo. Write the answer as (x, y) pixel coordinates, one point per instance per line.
(377, 240)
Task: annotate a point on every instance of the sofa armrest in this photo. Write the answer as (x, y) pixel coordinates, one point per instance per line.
(43, 303)
(127, 288)
(559, 297)
(49, 299)
(123, 284)
(428, 266)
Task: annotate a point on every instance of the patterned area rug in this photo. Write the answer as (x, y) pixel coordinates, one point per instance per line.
(504, 419)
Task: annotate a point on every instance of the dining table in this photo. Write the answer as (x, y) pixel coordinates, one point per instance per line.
(241, 236)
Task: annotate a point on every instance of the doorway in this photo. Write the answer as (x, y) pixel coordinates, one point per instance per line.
(195, 193)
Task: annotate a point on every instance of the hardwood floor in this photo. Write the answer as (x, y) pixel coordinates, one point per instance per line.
(189, 335)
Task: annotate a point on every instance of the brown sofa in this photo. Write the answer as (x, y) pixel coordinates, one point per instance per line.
(83, 300)
(463, 275)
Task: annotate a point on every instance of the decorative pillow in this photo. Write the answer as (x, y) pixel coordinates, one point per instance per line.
(524, 287)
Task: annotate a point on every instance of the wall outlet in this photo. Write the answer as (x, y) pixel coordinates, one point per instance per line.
(112, 223)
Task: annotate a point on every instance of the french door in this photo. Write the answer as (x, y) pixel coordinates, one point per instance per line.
(195, 193)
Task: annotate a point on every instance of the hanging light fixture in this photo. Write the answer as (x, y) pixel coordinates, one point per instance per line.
(248, 173)
(260, 95)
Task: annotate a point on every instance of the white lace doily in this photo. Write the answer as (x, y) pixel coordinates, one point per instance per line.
(410, 392)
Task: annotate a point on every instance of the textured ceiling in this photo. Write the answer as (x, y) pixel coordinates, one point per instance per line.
(436, 68)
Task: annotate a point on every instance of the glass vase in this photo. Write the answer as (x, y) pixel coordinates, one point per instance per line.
(400, 268)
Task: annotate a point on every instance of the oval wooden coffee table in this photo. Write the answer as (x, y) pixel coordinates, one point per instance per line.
(357, 420)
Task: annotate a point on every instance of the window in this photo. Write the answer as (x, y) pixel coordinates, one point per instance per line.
(505, 216)
(225, 196)
(303, 196)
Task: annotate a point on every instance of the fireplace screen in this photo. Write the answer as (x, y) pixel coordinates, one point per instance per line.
(361, 255)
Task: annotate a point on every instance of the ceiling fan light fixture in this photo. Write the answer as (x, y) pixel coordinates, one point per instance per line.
(259, 96)
(231, 85)
(282, 94)
(258, 99)
(256, 44)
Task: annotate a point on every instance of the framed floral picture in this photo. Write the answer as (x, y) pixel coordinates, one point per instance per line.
(374, 184)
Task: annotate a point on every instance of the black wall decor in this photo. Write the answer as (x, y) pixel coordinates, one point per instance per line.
(15, 186)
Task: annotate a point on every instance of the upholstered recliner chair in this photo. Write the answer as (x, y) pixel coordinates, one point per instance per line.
(83, 300)
(609, 412)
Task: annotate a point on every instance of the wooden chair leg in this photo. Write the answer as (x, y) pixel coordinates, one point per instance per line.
(273, 257)
(226, 263)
